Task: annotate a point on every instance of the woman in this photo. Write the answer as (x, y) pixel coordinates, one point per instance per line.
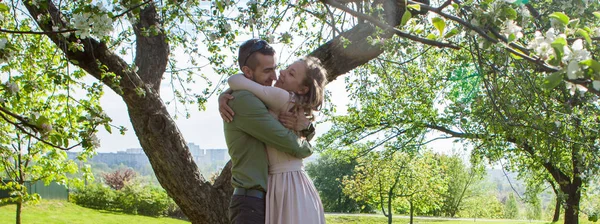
(291, 195)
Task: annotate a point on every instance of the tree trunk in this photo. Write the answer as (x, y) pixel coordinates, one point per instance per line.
(558, 202)
(556, 211)
(389, 205)
(572, 203)
(19, 207)
(412, 210)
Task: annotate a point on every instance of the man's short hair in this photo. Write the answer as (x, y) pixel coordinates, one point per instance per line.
(246, 53)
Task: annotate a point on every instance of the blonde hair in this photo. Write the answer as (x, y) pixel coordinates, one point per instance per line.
(316, 79)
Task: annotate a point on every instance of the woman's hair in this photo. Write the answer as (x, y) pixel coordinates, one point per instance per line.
(316, 79)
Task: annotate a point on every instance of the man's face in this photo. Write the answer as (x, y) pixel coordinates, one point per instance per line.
(264, 73)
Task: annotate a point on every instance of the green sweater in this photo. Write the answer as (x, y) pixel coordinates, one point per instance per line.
(253, 127)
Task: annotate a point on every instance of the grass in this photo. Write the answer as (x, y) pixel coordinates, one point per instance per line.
(55, 212)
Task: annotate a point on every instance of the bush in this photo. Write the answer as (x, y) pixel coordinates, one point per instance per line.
(145, 200)
(133, 198)
(96, 196)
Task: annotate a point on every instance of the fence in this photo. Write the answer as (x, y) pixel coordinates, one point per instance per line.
(52, 191)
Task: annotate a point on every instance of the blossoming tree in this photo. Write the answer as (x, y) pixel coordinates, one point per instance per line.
(125, 45)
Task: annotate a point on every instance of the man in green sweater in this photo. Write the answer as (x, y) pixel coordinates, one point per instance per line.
(252, 129)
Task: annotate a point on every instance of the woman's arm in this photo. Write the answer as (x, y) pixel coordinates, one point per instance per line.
(274, 98)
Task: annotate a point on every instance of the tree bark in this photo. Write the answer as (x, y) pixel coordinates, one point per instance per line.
(19, 207)
(556, 211)
(412, 211)
(572, 205)
(558, 202)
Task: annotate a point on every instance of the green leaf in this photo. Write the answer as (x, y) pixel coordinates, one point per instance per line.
(585, 35)
(416, 7)
(551, 81)
(510, 13)
(451, 33)
(407, 15)
(558, 45)
(597, 14)
(108, 128)
(431, 36)
(564, 19)
(439, 24)
(3, 7)
(593, 64)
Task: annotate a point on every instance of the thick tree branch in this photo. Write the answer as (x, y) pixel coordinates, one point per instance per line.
(388, 27)
(95, 55)
(36, 32)
(152, 50)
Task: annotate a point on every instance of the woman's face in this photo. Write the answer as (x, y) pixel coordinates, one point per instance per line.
(292, 77)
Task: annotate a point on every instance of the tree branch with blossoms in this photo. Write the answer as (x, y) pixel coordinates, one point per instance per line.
(592, 86)
(387, 27)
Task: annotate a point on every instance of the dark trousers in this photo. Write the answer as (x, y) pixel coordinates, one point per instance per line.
(246, 210)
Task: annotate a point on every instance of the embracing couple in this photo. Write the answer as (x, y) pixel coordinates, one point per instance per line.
(267, 129)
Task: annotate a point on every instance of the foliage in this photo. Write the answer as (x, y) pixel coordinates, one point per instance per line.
(511, 207)
(118, 178)
(484, 203)
(96, 195)
(388, 181)
(133, 198)
(460, 180)
(327, 173)
(534, 209)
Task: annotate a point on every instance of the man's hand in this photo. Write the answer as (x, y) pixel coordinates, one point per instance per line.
(224, 109)
(296, 122)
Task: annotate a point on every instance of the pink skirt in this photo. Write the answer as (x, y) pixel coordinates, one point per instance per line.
(291, 196)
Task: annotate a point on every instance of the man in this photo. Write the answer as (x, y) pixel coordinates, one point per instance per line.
(247, 134)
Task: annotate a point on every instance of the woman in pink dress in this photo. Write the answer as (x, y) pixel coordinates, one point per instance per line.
(291, 196)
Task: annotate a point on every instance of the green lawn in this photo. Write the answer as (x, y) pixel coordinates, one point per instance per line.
(47, 212)
(54, 212)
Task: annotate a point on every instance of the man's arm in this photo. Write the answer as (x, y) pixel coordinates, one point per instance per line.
(224, 109)
(253, 118)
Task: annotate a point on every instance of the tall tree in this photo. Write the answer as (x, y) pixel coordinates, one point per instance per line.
(349, 36)
(327, 173)
(397, 178)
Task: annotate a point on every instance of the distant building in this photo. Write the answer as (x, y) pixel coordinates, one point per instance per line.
(136, 158)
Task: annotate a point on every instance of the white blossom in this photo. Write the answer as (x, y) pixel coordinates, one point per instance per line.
(47, 127)
(573, 70)
(227, 27)
(510, 27)
(102, 25)
(574, 88)
(557, 123)
(270, 38)
(596, 85)
(3, 42)
(94, 141)
(250, 3)
(13, 87)
(82, 24)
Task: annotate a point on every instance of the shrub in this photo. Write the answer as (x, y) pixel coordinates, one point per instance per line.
(96, 196)
(133, 198)
(117, 179)
(145, 200)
